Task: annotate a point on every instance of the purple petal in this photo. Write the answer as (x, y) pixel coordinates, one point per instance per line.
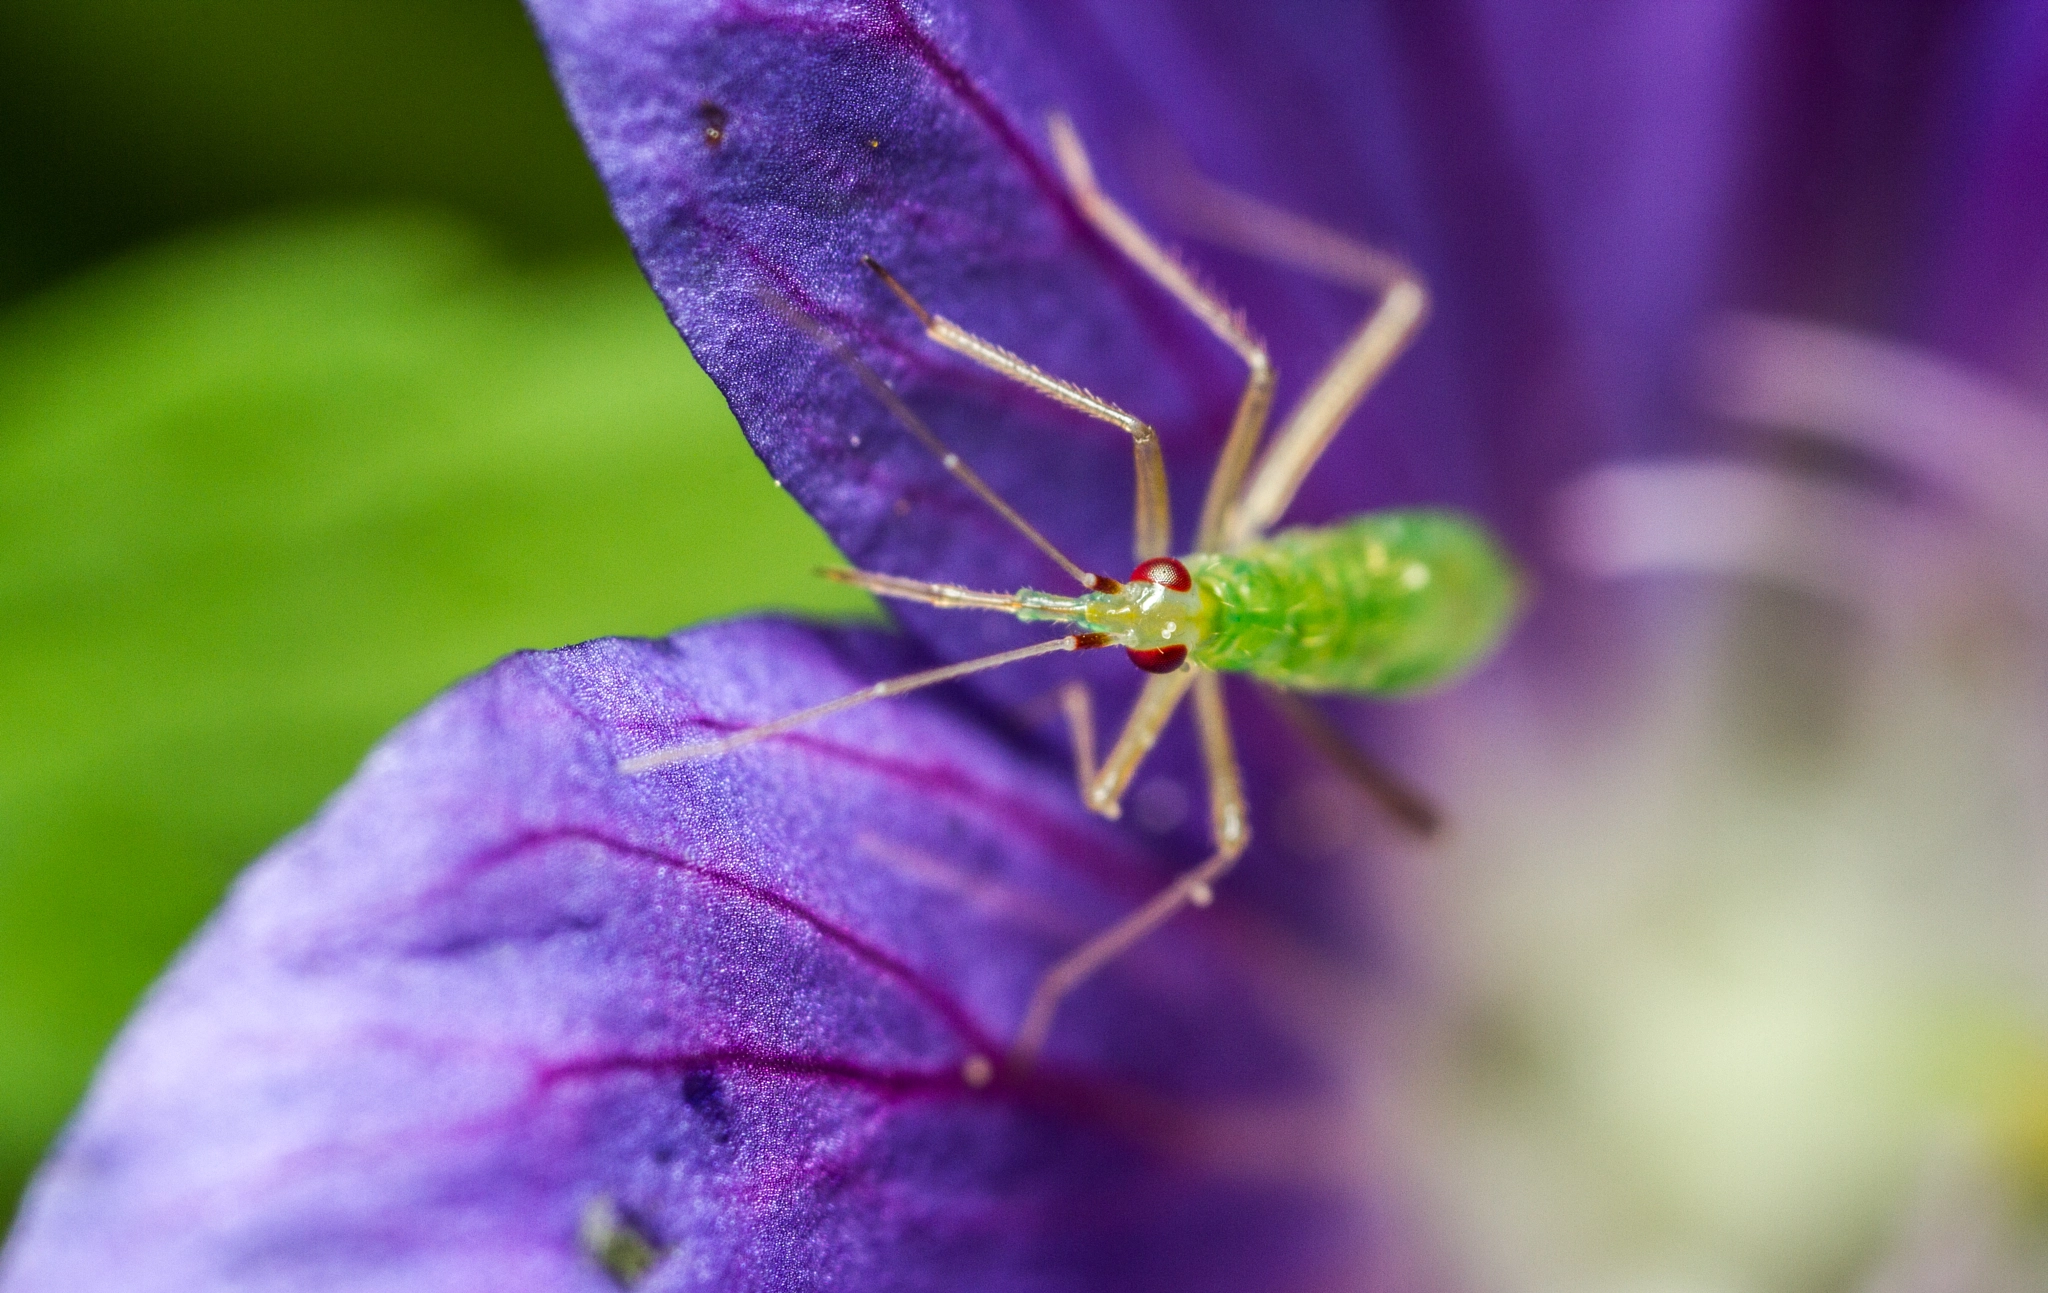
(497, 982)
(1582, 188)
(762, 148)
(1984, 281)
(755, 150)
(765, 146)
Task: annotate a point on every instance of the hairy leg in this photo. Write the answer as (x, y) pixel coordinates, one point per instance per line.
(1403, 803)
(1152, 526)
(1079, 707)
(924, 435)
(1252, 226)
(1194, 888)
(1144, 251)
(1162, 695)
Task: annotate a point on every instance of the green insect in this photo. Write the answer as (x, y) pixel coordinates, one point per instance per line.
(1386, 603)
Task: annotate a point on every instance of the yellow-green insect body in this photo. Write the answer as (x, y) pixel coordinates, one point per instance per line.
(1388, 602)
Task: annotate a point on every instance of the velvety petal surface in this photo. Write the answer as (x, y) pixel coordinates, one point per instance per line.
(1583, 187)
(496, 984)
(755, 153)
(1562, 185)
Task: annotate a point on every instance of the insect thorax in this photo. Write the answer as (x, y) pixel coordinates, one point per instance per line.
(1386, 602)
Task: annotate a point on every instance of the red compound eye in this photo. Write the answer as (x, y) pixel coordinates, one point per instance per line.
(1158, 659)
(1167, 573)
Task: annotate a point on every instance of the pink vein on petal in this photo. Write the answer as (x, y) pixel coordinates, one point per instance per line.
(912, 39)
(949, 1010)
(896, 1083)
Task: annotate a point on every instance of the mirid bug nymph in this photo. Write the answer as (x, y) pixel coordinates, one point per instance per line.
(1384, 603)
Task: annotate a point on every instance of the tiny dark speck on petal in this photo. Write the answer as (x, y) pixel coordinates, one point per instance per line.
(701, 1088)
(714, 119)
(704, 1093)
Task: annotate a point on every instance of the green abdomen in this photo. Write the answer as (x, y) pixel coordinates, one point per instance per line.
(1386, 602)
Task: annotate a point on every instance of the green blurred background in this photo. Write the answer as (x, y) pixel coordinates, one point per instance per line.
(325, 379)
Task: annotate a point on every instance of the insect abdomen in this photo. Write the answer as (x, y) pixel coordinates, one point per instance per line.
(1386, 602)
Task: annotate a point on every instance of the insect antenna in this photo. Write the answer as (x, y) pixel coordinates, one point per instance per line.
(917, 427)
(950, 596)
(879, 691)
(1027, 604)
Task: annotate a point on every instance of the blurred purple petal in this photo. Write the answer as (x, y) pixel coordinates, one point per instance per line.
(1985, 273)
(496, 983)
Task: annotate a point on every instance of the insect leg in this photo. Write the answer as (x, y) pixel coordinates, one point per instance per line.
(1154, 525)
(1165, 269)
(1403, 803)
(1194, 888)
(924, 435)
(1252, 226)
(1156, 705)
(1079, 707)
